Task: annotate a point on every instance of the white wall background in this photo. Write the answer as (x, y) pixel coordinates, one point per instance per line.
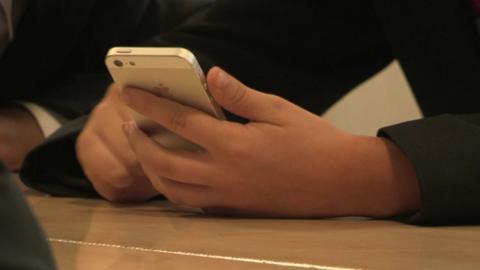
(384, 100)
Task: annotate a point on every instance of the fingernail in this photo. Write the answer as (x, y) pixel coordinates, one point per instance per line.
(222, 80)
(129, 127)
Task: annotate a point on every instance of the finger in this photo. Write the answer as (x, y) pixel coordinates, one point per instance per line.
(107, 159)
(110, 178)
(104, 127)
(190, 123)
(242, 100)
(95, 168)
(189, 193)
(114, 96)
(183, 166)
(182, 193)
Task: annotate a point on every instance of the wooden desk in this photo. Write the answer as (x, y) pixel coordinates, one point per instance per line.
(92, 234)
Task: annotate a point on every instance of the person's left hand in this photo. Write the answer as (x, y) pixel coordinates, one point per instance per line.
(286, 162)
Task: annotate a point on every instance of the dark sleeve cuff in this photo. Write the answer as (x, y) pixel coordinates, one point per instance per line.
(53, 167)
(445, 152)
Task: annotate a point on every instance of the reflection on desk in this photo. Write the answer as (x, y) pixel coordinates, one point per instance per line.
(93, 234)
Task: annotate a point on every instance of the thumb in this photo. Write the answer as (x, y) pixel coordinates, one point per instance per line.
(241, 100)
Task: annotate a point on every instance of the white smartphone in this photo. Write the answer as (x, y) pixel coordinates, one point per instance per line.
(173, 73)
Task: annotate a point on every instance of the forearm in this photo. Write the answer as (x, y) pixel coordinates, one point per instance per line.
(19, 133)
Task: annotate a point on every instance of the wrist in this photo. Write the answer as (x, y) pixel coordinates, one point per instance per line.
(385, 176)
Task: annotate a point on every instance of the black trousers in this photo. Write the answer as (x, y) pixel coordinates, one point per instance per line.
(22, 243)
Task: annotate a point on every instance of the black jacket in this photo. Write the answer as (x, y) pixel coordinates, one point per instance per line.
(312, 53)
(56, 58)
(23, 244)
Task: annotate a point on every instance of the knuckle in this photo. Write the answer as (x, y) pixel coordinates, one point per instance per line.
(238, 94)
(278, 103)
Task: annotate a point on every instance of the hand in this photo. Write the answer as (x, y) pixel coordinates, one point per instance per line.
(286, 162)
(106, 157)
(19, 134)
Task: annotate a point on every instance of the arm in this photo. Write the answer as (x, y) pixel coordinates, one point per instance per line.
(439, 50)
(223, 34)
(209, 34)
(444, 151)
(285, 162)
(84, 86)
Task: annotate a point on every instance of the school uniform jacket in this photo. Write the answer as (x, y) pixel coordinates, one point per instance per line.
(312, 53)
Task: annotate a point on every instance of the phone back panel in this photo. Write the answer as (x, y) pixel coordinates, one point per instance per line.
(172, 73)
(166, 72)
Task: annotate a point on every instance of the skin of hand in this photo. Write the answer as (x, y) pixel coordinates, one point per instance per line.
(106, 157)
(19, 134)
(286, 162)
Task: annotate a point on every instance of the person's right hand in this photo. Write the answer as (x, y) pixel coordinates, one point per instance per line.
(106, 157)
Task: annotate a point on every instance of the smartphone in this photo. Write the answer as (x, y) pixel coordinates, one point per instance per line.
(172, 73)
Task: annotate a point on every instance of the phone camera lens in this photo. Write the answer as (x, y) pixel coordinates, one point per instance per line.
(118, 63)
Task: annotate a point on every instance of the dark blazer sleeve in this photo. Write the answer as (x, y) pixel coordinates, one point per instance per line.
(438, 47)
(53, 167)
(80, 78)
(310, 52)
(445, 152)
(32, 65)
(56, 58)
